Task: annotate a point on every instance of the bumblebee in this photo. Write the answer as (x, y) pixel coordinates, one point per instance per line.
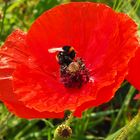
(65, 55)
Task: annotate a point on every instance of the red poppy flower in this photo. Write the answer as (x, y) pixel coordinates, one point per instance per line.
(134, 70)
(94, 46)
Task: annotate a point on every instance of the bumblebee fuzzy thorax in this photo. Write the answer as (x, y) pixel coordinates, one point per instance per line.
(66, 56)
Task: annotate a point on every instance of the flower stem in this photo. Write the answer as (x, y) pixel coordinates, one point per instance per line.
(130, 128)
(69, 120)
(123, 108)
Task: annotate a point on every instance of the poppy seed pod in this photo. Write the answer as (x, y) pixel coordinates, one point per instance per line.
(62, 132)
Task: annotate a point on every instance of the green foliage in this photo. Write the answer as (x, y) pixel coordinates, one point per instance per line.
(97, 123)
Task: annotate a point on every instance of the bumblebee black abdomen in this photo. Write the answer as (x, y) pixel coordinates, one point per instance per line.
(63, 59)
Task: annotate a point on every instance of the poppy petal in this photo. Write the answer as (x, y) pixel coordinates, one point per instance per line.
(12, 53)
(125, 50)
(18, 108)
(44, 93)
(10, 56)
(22, 111)
(134, 68)
(89, 28)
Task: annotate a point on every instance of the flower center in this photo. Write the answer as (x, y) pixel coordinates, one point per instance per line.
(73, 72)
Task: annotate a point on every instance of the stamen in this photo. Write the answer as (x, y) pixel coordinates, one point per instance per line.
(73, 72)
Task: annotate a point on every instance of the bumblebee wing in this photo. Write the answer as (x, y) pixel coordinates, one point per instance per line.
(53, 50)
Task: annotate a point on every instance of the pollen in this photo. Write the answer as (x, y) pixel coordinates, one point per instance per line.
(73, 67)
(75, 74)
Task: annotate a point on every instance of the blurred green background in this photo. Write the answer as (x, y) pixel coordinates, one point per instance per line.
(97, 123)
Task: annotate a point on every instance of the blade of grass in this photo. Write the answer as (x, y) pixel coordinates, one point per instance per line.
(129, 128)
(114, 135)
(115, 3)
(2, 22)
(25, 129)
(123, 108)
(120, 3)
(134, 8)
